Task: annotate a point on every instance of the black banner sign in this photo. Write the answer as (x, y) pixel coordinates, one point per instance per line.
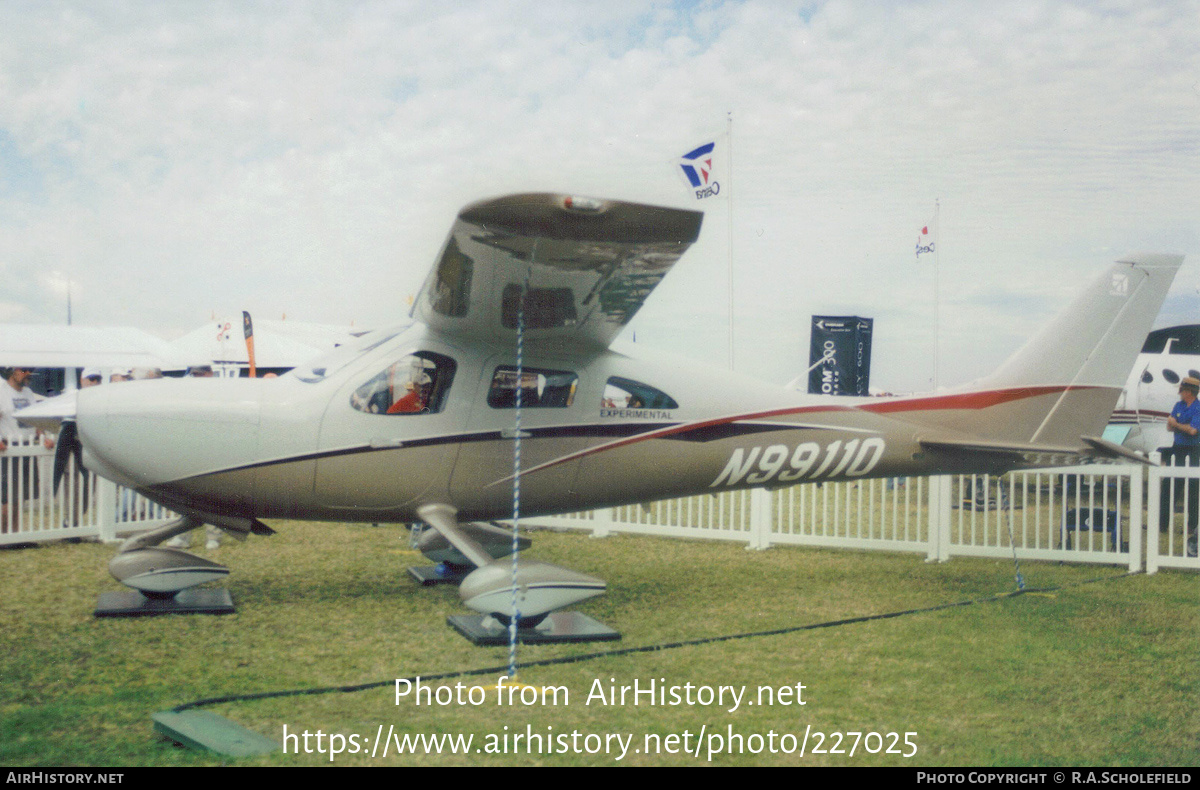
(839, 355)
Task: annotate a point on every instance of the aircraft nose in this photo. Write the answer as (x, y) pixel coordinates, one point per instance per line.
(146, 433)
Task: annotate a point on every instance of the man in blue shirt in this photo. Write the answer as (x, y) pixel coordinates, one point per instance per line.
(1184, 422)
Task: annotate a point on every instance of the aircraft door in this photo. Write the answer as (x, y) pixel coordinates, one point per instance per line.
(390, 436)
(482, 483)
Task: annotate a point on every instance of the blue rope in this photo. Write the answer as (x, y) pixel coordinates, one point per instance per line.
(516, 615)
(1011, 540)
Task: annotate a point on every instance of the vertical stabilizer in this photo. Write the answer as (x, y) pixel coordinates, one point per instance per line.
(1096, 340)
(1089, 348)
(1063, 384)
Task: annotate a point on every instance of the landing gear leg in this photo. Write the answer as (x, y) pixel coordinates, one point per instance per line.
(540, 590)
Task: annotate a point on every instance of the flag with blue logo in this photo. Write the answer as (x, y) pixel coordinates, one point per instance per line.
(698, 168)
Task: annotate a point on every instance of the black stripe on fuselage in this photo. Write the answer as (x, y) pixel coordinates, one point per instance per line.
(701, 433)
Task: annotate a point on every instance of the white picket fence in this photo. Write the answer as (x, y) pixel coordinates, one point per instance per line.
(84, 507)
(1097, 513)
(1177, 527)
(1093, 514)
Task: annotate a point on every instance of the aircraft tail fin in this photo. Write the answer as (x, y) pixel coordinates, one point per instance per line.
(1095, 341)
(1063, 384)
(1089, 348)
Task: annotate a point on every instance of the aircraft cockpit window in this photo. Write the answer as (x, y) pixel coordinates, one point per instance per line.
(539, 388)
(622, 393)
(416, 384)
(1194, 374)
(1147, 377)
(1170, 375)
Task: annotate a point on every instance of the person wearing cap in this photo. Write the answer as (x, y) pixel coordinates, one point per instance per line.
(415, 399)
(1184, 423)
(15, 395)
(90, 378)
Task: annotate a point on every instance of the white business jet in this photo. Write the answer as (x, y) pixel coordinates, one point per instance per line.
(419, 424)
(1140, 419)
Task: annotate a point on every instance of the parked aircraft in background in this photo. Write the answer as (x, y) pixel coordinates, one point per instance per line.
(419, 423)
(1152, 390)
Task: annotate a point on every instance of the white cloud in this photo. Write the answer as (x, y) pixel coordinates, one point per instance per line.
(308, 157)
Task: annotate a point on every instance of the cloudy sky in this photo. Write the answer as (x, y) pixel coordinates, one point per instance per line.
(175, 159)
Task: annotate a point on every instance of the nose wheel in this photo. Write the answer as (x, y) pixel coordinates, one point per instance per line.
(163, 579)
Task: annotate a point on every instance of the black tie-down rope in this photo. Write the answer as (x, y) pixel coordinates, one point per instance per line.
(646, 648)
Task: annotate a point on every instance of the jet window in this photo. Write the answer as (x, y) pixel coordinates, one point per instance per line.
(539, 388)
(1147, 377)
(622, 393)
(416, 384)
(1170, 375)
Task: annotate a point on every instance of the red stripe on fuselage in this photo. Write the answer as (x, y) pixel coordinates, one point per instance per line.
(967, 400)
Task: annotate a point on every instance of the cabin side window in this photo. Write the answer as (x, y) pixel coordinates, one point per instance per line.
(539, 388)
(622, 393)
(415, 384)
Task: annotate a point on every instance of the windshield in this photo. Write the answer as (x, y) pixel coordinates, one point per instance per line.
(328, 364)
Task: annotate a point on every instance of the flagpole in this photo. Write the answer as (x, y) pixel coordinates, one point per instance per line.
(729, 215)
(937, 302)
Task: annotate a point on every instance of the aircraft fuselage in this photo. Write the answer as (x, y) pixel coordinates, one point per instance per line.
(597, 429)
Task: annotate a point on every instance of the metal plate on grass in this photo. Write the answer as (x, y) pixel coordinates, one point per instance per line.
(557, 628)
(194, 601)
(204, 730)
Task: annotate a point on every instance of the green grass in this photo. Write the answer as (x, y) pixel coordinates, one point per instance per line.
(1092, 674)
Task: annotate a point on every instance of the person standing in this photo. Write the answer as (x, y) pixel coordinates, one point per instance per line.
(14, 395)
(1184, 423)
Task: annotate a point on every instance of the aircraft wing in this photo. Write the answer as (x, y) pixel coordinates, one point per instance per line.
(48, 414)
(53, 346)
(584, 267)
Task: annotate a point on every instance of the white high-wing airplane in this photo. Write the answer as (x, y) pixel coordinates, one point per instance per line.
(419, 424)
(1140, 418)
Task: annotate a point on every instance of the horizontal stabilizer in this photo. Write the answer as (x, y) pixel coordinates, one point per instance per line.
(1019, 453)
(1007, 454)
(1106, 449)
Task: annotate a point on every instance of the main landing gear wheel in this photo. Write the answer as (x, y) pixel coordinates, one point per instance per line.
(540, 589)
